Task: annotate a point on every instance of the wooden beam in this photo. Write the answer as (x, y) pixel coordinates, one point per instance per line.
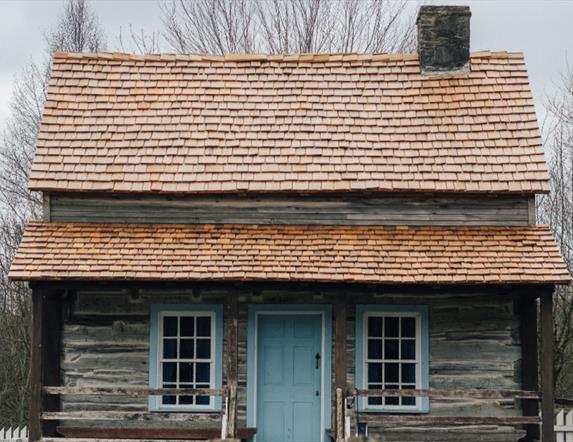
(134, 391)
(35, 411)
(74, 439)
(148, 433)
(453, 394)
(532, 211)
(339, 415)
(373, 419)
(356, 288)
(46, 207)
(45, 359)
(131, 416)
(340, 308)
(340, 342)
(51, 353)
(529, 360)
(232, 361)
(547, 401)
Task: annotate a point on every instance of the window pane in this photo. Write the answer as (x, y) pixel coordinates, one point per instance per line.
(409, 373)
(169, 400)
(394, 400)
(375, 326)
(374, 348)
(185, 396)
(408, 349)
(408, 327)
(169, 372)
(391, 349)
(203, 372)
(202, 400)
(187, 326)
(186, 348)
(186, 400)
(391, 373)
(186, 372)
(375, 400)
(170, 326)
(408, 401)
(203, 326)
(391, 327)
(170, 348)
(203, 348)
(374, 372)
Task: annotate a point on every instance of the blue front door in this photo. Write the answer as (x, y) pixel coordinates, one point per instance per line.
(289, 378)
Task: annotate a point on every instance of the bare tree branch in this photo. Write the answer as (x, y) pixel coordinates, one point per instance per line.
(142, 42)
(77, 30)
(295, 26)
(556, 209)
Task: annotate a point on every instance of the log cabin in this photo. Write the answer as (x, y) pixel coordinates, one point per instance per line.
(292, 248)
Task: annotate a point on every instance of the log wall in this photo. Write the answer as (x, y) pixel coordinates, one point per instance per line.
(347, 209)
(474, 343)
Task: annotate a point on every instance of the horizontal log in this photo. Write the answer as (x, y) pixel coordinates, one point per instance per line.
(402, 419)
(564, 402)
(477, 393)
(131, 416)
(85, 439)
(149, 433)
(135, 391)
(451, 434)
(342, 209)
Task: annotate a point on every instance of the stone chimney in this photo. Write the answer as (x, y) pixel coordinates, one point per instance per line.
(444, 39)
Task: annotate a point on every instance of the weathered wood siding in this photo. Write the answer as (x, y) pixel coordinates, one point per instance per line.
(474, 343)
(334, 209)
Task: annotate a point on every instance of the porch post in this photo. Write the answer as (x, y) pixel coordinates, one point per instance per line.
(547, 400)
(44, 360)
(35, 412)
(231, 363)
(340, 364)
(529, 363)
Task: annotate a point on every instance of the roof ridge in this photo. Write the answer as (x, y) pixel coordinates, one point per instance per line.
(238, 58)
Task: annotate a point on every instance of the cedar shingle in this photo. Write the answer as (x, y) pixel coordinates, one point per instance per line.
(314, 122)
(416, 255)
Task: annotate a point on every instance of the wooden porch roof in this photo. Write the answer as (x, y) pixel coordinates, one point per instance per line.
(414, 255)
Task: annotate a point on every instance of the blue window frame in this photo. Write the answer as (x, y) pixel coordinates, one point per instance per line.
(392, 352)
(186, 351)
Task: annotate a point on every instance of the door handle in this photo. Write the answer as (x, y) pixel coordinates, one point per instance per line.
(317, 357)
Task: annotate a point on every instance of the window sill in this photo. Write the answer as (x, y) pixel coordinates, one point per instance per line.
(187, 410)
(419, 410)
(375, 411)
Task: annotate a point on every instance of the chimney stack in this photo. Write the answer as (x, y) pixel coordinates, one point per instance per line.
(444, 39)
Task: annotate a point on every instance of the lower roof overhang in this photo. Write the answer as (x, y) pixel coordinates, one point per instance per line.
(347, 254)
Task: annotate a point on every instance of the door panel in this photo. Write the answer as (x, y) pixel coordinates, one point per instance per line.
(289, 378)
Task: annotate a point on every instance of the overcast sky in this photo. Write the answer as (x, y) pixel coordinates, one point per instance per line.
(541, 29)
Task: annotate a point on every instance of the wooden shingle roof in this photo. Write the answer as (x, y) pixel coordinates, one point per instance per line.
(417, 255)
(326, 122)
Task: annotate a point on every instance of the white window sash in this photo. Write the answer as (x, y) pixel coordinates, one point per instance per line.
(160, 359)
(417, 360)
